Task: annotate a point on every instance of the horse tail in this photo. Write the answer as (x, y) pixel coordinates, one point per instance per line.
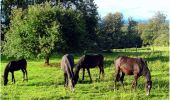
(24, 62)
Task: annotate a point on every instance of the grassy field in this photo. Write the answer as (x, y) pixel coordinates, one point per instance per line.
(46, 83)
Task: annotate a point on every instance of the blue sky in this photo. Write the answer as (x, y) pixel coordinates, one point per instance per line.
(138, 9)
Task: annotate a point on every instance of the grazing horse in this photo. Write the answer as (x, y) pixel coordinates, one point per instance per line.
(87, 62)
(14, 66)
(133, 66)
(67, 64)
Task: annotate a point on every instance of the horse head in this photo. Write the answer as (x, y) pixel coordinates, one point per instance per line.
(5, 80)
(148, 87)
(148, 84)
(72, 85)
(5, 77)
(76, 77)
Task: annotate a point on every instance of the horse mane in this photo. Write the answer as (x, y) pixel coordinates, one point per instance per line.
(70, 68)
(79, 64)
(76, 72)
(145, 69)
(77, 68)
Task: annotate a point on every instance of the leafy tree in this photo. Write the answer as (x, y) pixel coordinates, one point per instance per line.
(110, 33)
(133, 37)
(89, 11)
(156, 27)
(162, 40)
(117, 32)
(41, 29)
(87, 7)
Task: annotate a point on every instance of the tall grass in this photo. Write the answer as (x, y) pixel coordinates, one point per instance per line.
(48, 82)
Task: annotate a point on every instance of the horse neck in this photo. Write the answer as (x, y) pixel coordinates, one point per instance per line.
(6, 71)
(77, 70)
(76, 75)
(71, 71)
(148, 75)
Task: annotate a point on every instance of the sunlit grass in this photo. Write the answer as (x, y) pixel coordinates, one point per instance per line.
(48, 82)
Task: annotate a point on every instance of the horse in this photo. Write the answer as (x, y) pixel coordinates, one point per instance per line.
(133, 66)
(15, 65)
(87, 62)
(67, 64)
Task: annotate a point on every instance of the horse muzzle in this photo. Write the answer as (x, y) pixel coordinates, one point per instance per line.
(148, 92)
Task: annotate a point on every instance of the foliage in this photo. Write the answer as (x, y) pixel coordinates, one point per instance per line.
(42, 29)
(162, 40)
(133, 37)
(110, 33)
(156, 29)
(89, 11)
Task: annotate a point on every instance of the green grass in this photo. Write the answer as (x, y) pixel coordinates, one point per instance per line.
(46, 83)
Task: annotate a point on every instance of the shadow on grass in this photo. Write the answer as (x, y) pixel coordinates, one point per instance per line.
(85, 82)
(44, 83)
(63, 98)
(161, 58)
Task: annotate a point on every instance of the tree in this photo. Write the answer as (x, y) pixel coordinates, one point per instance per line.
(89, 11)
(110, 32)
(156, 27)
(133, 37)
(41, 29)
(117, 32)
(162, 40)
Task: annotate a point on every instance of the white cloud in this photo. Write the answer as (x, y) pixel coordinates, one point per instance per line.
(135, 8)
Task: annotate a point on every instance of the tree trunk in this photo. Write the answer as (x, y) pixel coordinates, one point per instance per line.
(47, 60)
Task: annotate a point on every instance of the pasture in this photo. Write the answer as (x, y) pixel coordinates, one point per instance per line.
(47, 83)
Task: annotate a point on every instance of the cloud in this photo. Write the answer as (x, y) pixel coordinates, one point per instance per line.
(135, 8)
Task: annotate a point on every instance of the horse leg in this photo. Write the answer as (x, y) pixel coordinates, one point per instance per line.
(26, 74)
(136, 77)
(13, 78)
(83, 73)
(122, 78)
(134, 84)
(100, 70)
(65, 80)
(117, 75)
(23, 74)
(89, 74)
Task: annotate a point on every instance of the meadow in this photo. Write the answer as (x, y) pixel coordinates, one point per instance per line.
(47, 82)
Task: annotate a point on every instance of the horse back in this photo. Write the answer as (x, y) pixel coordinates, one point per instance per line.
(17, 65)
(128, 65)
(92, 61)
(67, 62)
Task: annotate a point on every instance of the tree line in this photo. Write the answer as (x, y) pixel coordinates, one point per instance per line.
(40, 28)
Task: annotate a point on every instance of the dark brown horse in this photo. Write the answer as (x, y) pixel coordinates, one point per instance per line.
(67, 64)
(14, 66)
(87, 62)
(133, 66)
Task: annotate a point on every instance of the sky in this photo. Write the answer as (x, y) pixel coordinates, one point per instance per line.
(138, 9)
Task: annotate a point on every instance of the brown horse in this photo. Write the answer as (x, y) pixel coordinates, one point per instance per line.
(14, 66)
(87, 62)
(67, 64)
(133, 66)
